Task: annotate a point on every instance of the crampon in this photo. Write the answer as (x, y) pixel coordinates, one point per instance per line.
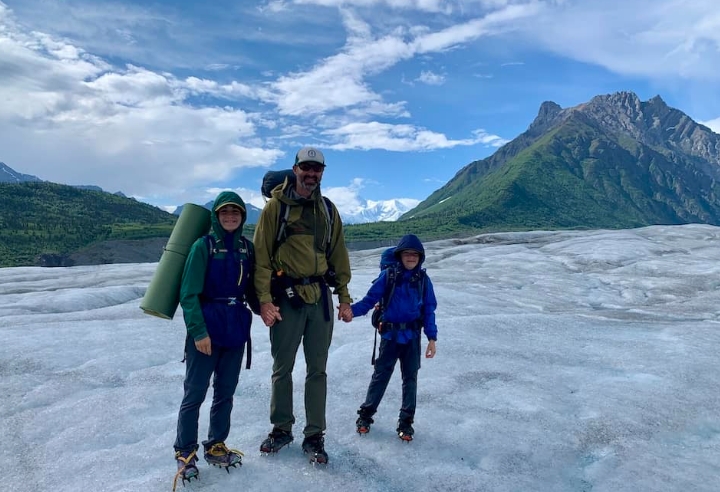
(187, 468)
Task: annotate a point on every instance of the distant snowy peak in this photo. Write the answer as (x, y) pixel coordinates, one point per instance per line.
(379, 211)
(369, 211)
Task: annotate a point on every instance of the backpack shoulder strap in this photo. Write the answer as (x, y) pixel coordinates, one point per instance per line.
(282, 224)
(391, 276)
(250, 252)
(213, 249)
(210, 243)
(423, 281)
(331, 223)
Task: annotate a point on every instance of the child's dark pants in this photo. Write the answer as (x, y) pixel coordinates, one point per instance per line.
(225, 364)
(390, 353)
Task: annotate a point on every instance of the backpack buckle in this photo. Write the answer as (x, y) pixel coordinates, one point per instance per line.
(232, 301)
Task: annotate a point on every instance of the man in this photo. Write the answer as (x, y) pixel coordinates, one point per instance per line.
(296, 255)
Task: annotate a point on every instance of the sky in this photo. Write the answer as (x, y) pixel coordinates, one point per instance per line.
(566, 362)
(173, 101)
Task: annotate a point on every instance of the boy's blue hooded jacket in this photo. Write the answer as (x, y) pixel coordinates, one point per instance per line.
(405, 304)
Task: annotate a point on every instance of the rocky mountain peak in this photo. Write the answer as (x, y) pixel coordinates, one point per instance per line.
(547, 116)
(653, 123)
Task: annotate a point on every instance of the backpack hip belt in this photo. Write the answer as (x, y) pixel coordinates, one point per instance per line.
(306, 280)
(230, 301)
(411, 325)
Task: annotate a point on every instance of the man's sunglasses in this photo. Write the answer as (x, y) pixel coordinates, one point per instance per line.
(311, 166)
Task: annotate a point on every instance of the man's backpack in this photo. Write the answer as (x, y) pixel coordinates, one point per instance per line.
(272, 180)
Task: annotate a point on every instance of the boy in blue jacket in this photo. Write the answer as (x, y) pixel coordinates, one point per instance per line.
(409, 304)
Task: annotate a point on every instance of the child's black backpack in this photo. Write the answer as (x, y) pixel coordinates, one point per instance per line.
(387, 260)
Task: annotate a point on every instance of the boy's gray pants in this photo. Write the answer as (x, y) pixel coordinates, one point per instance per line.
(225, 364)
(308, 325)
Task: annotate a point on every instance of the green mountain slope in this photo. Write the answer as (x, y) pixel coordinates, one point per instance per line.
(46, 218)
(579, 171)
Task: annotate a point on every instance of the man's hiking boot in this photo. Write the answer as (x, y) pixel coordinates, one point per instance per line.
(220, 455)
(363, 422)
(315, 446)
(275, 441)
(187, 467)
(405, 430)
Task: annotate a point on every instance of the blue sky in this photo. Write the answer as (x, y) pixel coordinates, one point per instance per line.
(171, 101)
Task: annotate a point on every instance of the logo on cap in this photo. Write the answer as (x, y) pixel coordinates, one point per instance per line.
(311, 153)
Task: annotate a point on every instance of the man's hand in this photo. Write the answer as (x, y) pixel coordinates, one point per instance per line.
(345, 312)
(204, 346)
(430, 351)
(270, 313)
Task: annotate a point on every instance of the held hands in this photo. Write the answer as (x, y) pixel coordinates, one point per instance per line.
(345, 312)
(430, 351)
(204, 346)
(270, 313)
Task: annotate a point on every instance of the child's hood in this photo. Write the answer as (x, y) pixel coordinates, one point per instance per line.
(410, 242)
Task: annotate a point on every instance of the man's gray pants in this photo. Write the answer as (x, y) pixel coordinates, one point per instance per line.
(308, 325)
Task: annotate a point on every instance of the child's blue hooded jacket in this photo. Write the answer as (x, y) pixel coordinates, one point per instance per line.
(405, 304)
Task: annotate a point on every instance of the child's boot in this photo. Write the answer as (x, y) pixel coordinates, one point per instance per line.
(405, 430)
(363, 422)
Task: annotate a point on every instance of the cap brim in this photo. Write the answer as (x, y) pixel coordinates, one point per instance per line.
(229, 204)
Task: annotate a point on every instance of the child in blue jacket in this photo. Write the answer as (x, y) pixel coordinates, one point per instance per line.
(408, 306)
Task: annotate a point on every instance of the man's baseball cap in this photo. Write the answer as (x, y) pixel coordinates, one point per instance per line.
(309, 154)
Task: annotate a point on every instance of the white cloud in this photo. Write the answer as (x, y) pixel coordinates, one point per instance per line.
(445, 6)
(653, 38)
(253, 197)
(401, 138)
(339, 81)
(145, 131)
(430, 78)
(132, 130)
(346, 198)
(714, 125)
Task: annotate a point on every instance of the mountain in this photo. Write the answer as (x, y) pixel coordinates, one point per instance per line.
(9, 175)
(380, 211)
(45, 224)
(613, 162)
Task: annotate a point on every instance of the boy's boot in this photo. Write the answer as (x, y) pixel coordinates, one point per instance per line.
(405, 430)
(187, 467)
(220, 455)
(315, 446)
(363, 422)
(275, 441)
